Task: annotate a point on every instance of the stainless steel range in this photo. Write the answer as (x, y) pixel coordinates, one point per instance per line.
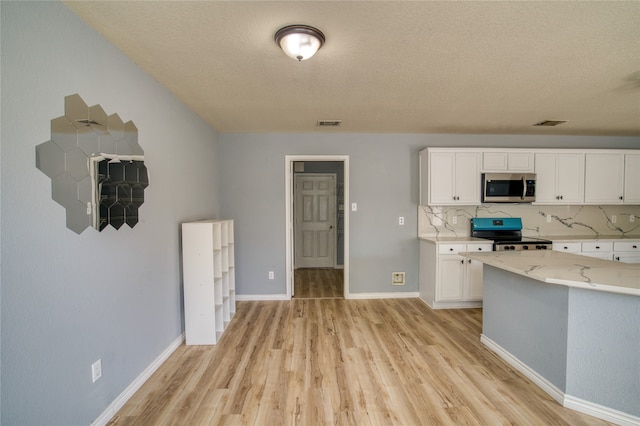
(506, 234)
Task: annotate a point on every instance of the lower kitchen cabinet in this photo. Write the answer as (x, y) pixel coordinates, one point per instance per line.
(447, 280)
(627, 251)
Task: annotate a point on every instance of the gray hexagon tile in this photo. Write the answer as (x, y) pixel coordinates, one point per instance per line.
(118, 188)
(50, 159)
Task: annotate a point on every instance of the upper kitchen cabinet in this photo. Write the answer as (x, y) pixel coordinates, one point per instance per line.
(632, 179)
(516, 161)
(449, 177)
(560, 178)
(604, 178)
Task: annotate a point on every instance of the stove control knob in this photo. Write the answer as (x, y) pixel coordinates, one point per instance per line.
(513, 247)
(525, 247)
(507, 248)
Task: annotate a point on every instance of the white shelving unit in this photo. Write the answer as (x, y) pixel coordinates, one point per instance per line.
(209, 279)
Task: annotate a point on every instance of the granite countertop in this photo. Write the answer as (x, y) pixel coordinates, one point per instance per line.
(461, 240)
(571, 238)
(567, 269)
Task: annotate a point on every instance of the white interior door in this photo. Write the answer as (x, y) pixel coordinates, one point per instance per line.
(315, 220)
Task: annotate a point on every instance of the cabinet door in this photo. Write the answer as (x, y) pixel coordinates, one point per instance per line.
(467, 173)
(473, 281)
(626, 257)
(570, 176)
(441, 182)
(604, 178)
(632, 179)
(494, 161)
(520, 162)
(449, 285)
(546, 178)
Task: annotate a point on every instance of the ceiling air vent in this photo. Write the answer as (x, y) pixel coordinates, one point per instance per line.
(550, 123)
(329, 123)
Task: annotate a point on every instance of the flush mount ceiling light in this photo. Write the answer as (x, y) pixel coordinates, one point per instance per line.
(299, 42)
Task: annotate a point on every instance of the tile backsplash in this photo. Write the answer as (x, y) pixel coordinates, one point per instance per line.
(588, 221)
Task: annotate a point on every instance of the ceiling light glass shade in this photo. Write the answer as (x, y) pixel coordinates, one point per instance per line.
(299, 42)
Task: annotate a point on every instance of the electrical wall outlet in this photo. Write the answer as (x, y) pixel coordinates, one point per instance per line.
(397, 278)
(401, 220)
(454, 219)
(632, 218)
(614, 219)
(548, 218)
(96, 370)
(272, 275)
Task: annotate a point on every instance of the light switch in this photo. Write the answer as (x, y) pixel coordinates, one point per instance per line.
(354, 207)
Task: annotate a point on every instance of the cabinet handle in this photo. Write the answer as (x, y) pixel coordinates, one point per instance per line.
(462, 261)
(618, 258)
(562, 197)
(450, 249)
(566, 248)
(634, 246)
(597, 247)
(621, 198)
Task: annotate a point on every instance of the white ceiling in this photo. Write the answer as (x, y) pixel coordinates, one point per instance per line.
(391, 66)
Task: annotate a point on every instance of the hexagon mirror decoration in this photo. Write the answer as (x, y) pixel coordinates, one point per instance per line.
(96, 167)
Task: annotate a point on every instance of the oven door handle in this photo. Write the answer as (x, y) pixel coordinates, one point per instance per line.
(524, 188)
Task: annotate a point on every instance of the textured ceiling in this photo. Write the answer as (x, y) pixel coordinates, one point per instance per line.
(397, 66)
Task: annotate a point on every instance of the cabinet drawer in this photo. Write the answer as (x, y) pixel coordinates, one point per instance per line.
(451, 248)
(479, 247)
(632, 246)
(568, 247)
(597, 247)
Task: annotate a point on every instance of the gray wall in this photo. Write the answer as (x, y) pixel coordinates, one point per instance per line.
(528, 318)
(585, 342)
(70, 299)
(603, 352)
(383, 181)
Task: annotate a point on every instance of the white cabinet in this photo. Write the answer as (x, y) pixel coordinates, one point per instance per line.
(448, 280)
(517, 161)
(208, 265)
(632, 179)
(599, 249)
(626, 251)
(449, 177)
(560, 178)
(604, 178)
(568, 247)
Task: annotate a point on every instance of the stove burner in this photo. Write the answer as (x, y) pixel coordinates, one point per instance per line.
(506, 234)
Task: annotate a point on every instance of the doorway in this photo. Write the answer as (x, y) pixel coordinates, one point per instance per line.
(319, 253)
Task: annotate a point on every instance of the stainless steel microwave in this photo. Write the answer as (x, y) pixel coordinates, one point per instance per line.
(508, 187)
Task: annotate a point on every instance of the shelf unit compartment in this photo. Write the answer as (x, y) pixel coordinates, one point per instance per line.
(209, 280)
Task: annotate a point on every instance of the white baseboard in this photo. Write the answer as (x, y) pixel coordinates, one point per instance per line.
(531, 374)
(568, 401)
(600, 411)
(117, 403)
(396, 295)
(393, 295)
(258, 297)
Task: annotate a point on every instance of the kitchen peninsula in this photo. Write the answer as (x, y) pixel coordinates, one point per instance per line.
(569, 323)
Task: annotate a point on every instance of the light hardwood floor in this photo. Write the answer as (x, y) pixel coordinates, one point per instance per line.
(343, 362)
(312, 283)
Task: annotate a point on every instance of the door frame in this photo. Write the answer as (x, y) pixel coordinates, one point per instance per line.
(289, 197)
